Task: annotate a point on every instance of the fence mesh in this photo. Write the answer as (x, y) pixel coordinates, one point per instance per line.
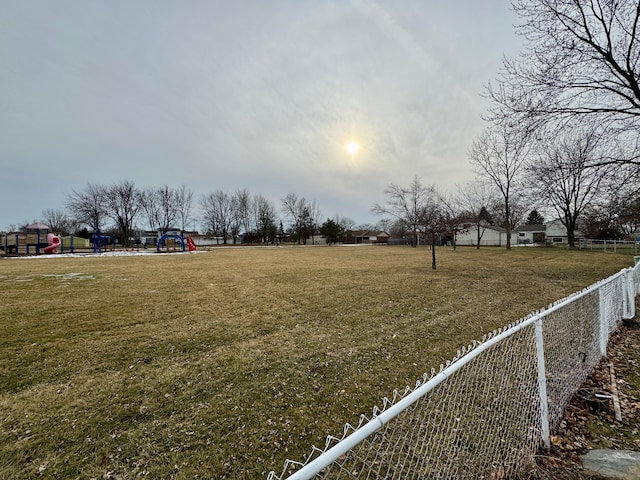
(485, 414)
(572, 348)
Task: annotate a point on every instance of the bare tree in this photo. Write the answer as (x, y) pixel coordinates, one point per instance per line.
(184, 204)
(236, 218)
(296, 209)
(385, 224)
(562, 175)
(149, 204)
(433, 222)
(499, 154)
(474, 200)
(451, 217)
(407, 204)
(161, 207)
(168, 208)
(420, 209)
(217, 213)
(123, 205)
(89, 207)
(242, 205)
(58, 221)
(315, 218)
(518, 208)
(264, 218)
(396, 228)
(625, 201)
(582, 60)
(601, 222)
(346, 223)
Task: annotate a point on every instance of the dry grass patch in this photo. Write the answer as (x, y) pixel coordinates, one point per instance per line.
(221, 365)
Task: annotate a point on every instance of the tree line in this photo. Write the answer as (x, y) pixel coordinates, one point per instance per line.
(123, 209)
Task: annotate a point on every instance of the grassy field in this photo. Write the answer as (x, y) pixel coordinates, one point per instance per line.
(223, 364)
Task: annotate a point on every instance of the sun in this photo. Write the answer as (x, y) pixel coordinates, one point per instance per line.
(352, 147)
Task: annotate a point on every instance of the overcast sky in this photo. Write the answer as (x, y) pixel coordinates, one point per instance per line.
(254, 94)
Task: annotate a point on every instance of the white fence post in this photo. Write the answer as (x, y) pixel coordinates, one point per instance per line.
(604, 324)
(629, 295)
(542, 385)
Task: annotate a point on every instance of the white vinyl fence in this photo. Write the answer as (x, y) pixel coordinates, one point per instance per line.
(486, 413)
(609, 246)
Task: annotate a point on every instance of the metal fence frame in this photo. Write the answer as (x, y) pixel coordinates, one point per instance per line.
(600, 307)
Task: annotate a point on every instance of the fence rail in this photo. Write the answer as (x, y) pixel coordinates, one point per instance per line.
(487, 412)
(610, 246)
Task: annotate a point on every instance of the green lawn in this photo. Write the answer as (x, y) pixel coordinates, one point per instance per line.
(223, 364)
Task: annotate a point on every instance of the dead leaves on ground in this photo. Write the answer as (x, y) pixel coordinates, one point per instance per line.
(589, 421)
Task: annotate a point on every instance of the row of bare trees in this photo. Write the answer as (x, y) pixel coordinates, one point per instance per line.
(124, 209)
(564, 173)
(563, 132)
(228, 215)
(564, 127)
(555, 176)
(120, 206)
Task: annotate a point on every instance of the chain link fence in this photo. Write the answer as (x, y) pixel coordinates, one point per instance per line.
(486, 413)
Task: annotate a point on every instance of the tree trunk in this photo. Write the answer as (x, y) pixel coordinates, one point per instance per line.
(433, 251)
(507, 222)
(571, 226)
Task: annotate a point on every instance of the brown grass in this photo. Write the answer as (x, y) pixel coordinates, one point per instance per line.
(223, 364)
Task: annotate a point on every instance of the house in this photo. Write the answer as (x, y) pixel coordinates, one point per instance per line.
(530, 234)
(552, 232)
(491, 236)
(557, 233)
(366, 236)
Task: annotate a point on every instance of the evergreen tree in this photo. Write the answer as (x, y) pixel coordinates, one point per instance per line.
(534, 218)
(331, 230)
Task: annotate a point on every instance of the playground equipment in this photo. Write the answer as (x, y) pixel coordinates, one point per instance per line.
(170, 241)
(71, 243)
(191, 244)
(54, 243)
(35, 238)
(101, 242)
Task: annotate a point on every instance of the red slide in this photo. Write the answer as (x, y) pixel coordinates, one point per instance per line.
(191, 244)
(54, 242)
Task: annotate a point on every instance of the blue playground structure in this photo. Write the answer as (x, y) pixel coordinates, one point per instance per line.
(101, 242)
(172, 241)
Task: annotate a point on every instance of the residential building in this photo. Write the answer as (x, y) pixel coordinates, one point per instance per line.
(557, 233)
(530, 234)
(491, 236)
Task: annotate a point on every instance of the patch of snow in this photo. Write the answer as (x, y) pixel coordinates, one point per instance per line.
(117, 253)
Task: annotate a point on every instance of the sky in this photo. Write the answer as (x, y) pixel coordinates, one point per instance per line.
(257, 95)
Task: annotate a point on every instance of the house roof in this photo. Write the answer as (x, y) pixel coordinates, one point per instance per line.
(531, 228)
(37, 225)
(368, 233)
(495, 227)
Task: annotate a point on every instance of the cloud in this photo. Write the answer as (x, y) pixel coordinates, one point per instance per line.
(257, 95)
